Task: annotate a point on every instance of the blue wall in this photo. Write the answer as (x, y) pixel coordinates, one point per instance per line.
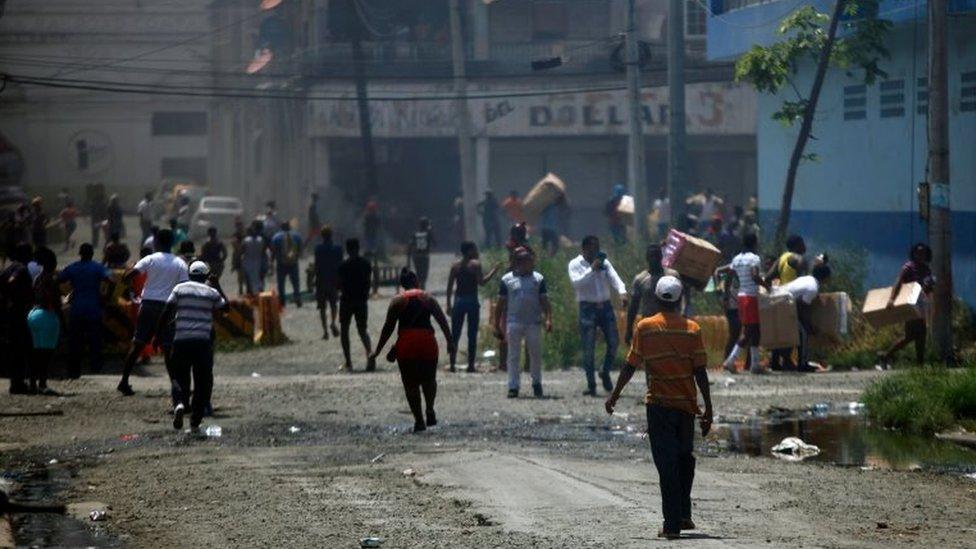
(862, 189)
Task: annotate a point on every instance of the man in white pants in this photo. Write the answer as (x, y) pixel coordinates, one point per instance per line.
(524, 304)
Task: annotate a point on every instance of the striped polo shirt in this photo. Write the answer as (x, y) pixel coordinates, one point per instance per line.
(668, 347)
(195, 303)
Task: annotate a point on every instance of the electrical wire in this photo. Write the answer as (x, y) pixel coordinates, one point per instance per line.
(720, 16)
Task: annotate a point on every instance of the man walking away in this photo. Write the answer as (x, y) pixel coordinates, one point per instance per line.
(254, 259)
(286, 246)
(16, 299)
(804, 290)
(513, 207)
(488, 209)
(116, 254)
(147, 214)
(419, 250)
(668, 347)
(69, 220)
(465, 277)
(371, 228)
(746, 267)
(314, 221)
(193, 303)
(328, 256)
(662, 205)
(523, 302)
(593, 278)
(97, 213)
(163, 272)
(355, 275)
(85, 314)
(214, 253)
(643, 300)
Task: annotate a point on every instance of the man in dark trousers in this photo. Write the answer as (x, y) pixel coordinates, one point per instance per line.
(328, 257)
(668, 347)
(16, 299)
(355, 275)
(193, 304)
(286, 248)
(419, 250)
(85, 325)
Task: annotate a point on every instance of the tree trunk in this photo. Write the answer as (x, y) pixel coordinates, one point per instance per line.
(365, 123)
(807, 126)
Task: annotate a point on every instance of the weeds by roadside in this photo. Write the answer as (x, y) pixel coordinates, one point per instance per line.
(923, 400)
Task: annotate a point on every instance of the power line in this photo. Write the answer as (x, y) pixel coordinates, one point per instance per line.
(720, 16)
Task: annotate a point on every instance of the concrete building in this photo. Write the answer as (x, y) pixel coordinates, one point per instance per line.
(871, 140)
(520, 131)
(72, 137)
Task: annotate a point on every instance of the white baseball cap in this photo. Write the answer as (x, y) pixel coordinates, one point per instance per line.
(668, 289)
(199, 268)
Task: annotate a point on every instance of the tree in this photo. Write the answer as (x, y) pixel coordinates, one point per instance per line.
(809, 35)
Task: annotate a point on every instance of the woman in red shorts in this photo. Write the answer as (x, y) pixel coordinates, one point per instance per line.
(416, 347)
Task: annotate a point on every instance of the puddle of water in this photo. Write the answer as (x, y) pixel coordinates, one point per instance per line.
(846, 440)
(51, 530)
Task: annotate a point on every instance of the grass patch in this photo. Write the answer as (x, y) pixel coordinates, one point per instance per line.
(923, 400)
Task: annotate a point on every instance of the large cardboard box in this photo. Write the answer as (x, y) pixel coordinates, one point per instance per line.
(693, 257)
(829, 314)
(545, 192)
(779, 326)
(907, 306)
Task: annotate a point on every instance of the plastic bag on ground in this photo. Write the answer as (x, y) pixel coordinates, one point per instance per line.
(794, 449)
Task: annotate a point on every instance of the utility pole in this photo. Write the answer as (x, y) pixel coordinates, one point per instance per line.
(635, 151)
(677, 147)
(362, 101)
(469, 191)
(940, 226)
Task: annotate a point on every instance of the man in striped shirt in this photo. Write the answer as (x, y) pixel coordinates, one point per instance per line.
(193, 303)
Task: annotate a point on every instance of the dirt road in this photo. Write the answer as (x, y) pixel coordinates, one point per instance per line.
(312, 457)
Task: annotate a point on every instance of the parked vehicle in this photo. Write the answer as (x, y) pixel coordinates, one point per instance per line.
(215, 211)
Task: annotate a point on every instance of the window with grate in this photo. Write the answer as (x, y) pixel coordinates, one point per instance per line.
(892, 98)
(855, 102)
(922, 96)
(967, 94)
(179, 123)
(549, 19)
(696, 20)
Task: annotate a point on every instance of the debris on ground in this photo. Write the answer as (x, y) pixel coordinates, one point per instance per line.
(409, 472)
(794, 449)
(255, 374)
(213, 431)
(378, 457)
(97, 515)
(293, 429)
(882, 525)
(129, 437)
(728, 382)
(53, 462)
(370, 542)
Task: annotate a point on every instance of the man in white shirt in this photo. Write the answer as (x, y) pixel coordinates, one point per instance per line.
(662, 205)
(163, 272)
(804, 290)
(594, 278)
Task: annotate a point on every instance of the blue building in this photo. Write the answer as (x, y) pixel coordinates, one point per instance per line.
(871, 140)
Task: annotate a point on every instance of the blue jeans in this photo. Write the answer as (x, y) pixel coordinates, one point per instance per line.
(289, 272)
(672, 433)
(591, 317)
(466, 307)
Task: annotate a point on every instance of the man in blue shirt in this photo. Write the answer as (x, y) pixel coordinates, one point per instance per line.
(328, 256)
(286, 246)
(85, 319)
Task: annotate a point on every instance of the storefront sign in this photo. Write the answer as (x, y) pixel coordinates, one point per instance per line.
(711, 109)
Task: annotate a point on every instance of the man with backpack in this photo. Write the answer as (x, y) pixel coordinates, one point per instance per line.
(286, 247)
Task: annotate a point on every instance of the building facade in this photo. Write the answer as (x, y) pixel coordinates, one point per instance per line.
(871, 140)
(70, 137)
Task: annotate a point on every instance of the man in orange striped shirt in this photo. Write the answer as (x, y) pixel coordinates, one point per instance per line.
(668, 347)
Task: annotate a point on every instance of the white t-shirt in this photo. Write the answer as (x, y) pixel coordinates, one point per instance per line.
(743, 265)
(804, 288)
(663, 207)
(145, 210)
(164, 271)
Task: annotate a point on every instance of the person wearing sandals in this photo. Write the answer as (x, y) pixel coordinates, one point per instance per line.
(415, 350)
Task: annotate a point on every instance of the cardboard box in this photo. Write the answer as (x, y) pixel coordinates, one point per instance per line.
(626, 209)
(829, 314)
(693, 257)
(779, 326)
(545, 192)
(907, 306)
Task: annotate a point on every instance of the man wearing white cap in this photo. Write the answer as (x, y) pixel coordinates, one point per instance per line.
(668, 347)
(193, 302)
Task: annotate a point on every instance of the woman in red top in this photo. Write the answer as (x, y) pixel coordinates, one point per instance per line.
(916, 269)
(416, 348)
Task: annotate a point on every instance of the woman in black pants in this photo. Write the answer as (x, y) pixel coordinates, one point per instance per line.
(416, 347)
